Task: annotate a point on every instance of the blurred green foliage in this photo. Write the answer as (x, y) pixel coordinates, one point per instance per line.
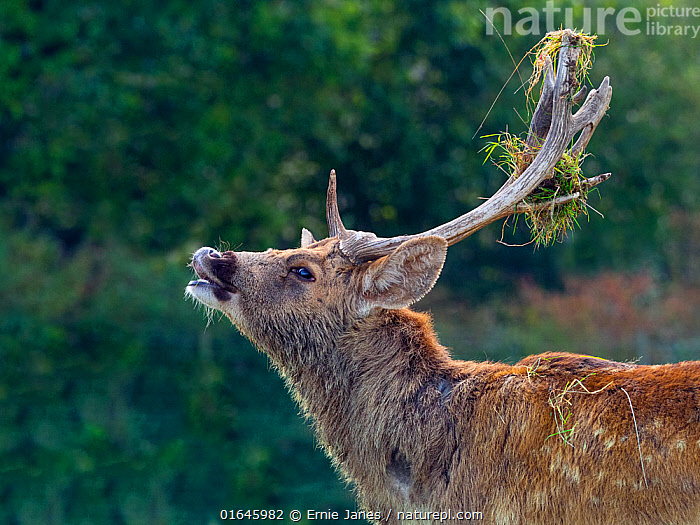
(131, 133)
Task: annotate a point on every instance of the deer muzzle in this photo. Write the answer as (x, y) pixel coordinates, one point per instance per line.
(214, 271)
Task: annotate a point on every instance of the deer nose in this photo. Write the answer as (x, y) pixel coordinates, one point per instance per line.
(206, 252)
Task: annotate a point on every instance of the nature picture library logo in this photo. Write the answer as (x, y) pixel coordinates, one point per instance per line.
(658, 20)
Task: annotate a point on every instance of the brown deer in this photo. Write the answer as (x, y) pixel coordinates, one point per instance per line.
(555, 438)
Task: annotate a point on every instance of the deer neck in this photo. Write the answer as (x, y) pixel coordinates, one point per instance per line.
(361, 390)
(389, 352)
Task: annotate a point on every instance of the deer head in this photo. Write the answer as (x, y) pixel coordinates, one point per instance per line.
(287, 300)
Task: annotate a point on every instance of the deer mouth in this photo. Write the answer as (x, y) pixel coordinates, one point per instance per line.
(203, 268)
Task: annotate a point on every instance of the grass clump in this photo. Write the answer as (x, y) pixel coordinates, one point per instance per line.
(548, 220)
(549, 46)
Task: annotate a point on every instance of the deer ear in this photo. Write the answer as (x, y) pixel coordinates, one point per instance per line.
(307, 238)
(404, 276)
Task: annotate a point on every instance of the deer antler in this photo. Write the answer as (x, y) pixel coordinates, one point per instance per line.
(552, 123)
(335, 224)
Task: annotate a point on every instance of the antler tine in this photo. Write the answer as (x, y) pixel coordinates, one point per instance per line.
(590, 114)
(542, 117)
(560, 129)
(335, 224)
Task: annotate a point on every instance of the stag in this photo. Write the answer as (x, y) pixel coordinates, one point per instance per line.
(555, 438)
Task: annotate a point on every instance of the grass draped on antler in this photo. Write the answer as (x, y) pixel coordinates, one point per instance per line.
(550, 215)
(547, 223)
(549, 47)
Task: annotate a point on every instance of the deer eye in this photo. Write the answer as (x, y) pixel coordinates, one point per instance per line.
(303, 273)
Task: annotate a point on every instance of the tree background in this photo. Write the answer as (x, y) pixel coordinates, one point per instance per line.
(132, 133)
